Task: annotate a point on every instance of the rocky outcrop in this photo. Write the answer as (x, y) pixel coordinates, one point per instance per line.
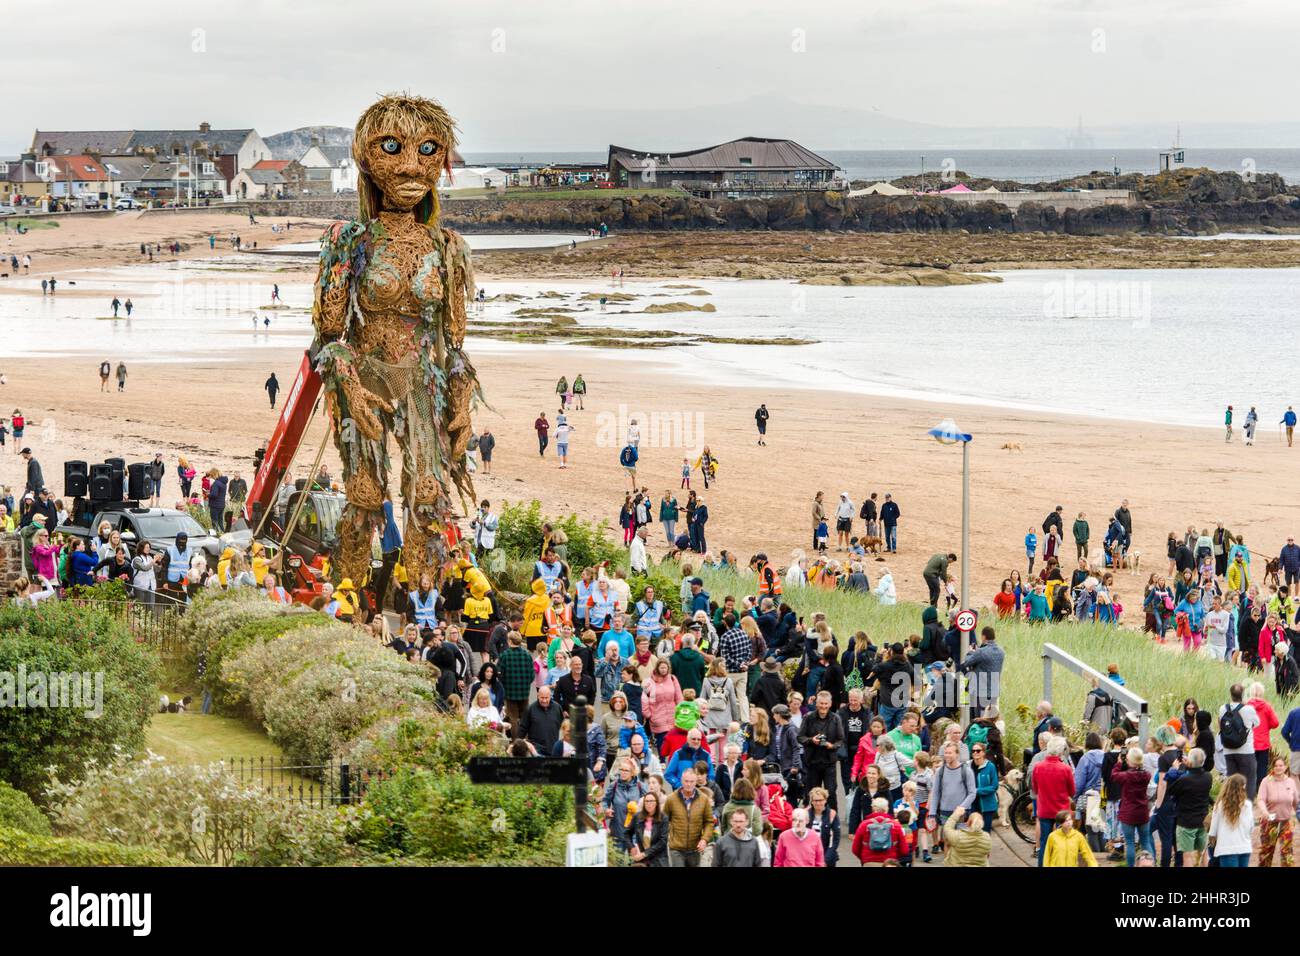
(1208, 202)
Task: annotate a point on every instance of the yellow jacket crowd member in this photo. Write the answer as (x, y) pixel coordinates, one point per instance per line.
(223, 567)
(1067, 846)
(260, 563)
(535, 614)
(479, 610)
(346, 596)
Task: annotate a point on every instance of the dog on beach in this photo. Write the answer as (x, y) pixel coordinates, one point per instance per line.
(1006, 793)
(1012, 446)
(871, 544)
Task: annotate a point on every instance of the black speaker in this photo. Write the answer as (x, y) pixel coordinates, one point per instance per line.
(119, 477)
(135, 482)
(76, 478)
(101, 482)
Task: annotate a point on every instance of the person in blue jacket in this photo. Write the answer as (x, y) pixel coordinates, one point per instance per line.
(1289, 421)
(686, 756)
(1031, 548)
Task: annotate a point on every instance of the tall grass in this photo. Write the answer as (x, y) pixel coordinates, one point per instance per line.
(1162, 676)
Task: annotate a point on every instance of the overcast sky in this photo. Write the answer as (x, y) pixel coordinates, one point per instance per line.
(556, 74)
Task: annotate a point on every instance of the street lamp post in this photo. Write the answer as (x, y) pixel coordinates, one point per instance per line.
(947, 433)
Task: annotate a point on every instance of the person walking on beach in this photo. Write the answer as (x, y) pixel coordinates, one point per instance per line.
(52, 285)
(760, 419)
(128, 305)
(1227, 424)
(843, 521)
(562, 429)
(121, 376)
(45, 285)
(889, 515)
(579, 390)
(1289, 421)
(275, 293)
(668, 514)
(154, 472)
(562, 390)
(1081, 534)
(543, 429)
(486, 442)
(116, 304)
(272, 386)
(628, 459)
(105, 370)
(1252, 421)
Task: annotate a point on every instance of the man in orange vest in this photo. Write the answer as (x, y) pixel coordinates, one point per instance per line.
(558, 615)
(769, 582)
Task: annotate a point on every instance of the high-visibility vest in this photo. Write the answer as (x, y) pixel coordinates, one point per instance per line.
(556, 618)
(585, 591)
(769, 582)
(549, 573)
(425, 611)
(281, 596)
(601, 608)
(649, 618)
(178, 563)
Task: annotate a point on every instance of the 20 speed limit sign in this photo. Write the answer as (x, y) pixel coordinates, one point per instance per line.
(966, 621)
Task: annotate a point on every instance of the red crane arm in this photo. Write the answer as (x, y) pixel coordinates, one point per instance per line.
(285, 440)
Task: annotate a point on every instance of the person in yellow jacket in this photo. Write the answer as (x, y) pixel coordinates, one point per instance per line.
(1238, 575)
(223, 567)
(535, 614)
(478, 617)
(346, 596)
(1067, 846)
(260, 562)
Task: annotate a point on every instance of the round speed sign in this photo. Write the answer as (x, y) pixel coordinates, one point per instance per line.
(966, 621)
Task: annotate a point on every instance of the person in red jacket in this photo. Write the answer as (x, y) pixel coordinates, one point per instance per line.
(862, 849)
(1268, 722)
(1053, 782)
(1134, 814)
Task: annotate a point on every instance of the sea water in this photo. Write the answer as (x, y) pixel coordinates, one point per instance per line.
(1170, 346)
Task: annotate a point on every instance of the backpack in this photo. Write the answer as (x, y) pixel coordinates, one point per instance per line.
(718, 695)
(977, 734)
(854, 680)
(880, 836)
(1232, 728)
(778, 808)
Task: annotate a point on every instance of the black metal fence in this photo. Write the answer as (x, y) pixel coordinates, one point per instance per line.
(318, 785)
(156, 625)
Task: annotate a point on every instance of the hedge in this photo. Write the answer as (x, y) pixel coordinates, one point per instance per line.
(28, 849)
(59, 637)
(17, 812)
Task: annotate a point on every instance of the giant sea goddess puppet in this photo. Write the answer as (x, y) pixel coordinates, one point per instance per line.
(389, 314)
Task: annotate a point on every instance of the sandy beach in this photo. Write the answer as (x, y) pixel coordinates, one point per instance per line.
(216, 413)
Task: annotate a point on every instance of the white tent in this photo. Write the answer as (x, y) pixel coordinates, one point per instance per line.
(473, 177)
(884, 189)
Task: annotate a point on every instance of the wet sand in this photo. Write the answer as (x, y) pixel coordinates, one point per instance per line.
(216, 413)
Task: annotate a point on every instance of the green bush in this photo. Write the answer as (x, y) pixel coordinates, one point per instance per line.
(315, 689)
(665, 579)
(446, 818)
(202, 814)
(17, 812)
(18, 848)
(234, 642)
(62, 638)
(520, 535)
(433, 742)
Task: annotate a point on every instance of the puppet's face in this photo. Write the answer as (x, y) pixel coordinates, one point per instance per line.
(405, 168)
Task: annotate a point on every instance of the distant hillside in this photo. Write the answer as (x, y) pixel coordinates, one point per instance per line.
(293, 143)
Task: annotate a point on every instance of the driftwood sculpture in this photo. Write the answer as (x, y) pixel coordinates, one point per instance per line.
(389, 314)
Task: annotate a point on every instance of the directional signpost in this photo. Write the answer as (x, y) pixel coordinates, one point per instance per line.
(585, 849)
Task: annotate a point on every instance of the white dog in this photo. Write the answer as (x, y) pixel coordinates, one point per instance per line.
(1007, 790)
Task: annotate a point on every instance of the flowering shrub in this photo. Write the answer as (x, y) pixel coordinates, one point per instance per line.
(317, 688)
(194, 813)
(59, 638)
(430, 742)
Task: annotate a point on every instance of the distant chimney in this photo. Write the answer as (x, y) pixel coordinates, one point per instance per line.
(315, 139)
(205, 127)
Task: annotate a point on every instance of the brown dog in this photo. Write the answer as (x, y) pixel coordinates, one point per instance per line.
(871, 545)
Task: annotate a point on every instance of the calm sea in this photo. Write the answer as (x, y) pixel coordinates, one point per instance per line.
(1025, 165)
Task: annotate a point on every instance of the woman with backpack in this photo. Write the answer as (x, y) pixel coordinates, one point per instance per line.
(720, 704)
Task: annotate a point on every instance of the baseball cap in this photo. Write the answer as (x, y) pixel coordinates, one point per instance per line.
(699, 581)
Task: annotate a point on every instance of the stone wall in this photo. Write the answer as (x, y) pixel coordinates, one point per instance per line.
(11, 561)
